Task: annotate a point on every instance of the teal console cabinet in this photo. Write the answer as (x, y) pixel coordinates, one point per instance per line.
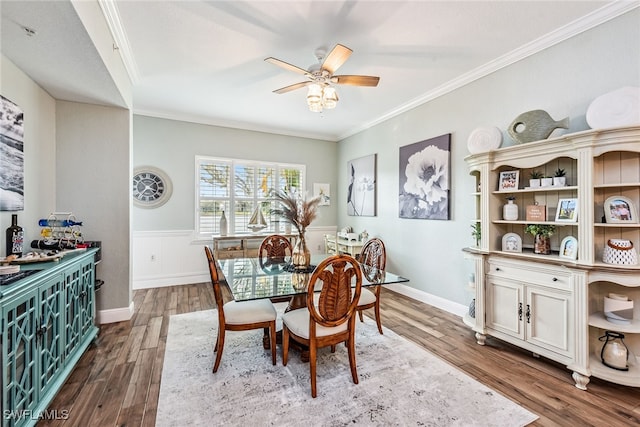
(47, 323)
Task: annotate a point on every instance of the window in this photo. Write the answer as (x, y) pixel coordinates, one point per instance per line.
(237, 187)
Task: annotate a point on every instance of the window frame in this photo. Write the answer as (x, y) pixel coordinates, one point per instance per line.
(231, 199)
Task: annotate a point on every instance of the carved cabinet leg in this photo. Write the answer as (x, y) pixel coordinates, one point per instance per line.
(480, 338)
(581, 380)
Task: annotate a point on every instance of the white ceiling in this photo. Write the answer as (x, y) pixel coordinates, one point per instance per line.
(203, 61)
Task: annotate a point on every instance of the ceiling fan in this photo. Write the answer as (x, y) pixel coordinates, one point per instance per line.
(321, 76)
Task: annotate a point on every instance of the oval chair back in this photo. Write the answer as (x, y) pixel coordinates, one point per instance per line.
(374, 254)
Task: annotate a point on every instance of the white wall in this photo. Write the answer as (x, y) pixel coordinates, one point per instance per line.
(39, 149)
(562, 80)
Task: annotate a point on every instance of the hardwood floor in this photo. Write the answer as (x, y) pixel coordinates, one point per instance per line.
(117, 381)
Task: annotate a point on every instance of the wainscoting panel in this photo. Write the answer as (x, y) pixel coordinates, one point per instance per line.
(166, 258)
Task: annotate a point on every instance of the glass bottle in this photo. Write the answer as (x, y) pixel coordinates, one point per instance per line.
(15, 237)
(223, 225)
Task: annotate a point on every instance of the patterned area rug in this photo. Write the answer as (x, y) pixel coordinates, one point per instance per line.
(401, 384)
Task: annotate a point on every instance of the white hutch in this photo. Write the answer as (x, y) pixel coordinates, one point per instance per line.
(548, 304)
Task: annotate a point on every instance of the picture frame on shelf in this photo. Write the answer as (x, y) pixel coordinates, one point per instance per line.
(511, 242)
(536, 212)
(508, 180)
(569, 248)
(620, 210)
(567, 210)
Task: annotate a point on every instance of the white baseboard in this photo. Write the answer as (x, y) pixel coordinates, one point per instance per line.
(115, 315)
(438, 302)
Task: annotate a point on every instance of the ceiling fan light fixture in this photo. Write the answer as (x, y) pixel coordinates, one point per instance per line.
(314, 94)
(329, 97)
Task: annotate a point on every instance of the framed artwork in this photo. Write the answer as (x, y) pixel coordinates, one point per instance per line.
(620, 209)
(567, 210)
(361, 192)
(12, 155)
(324, 192)
(424, 176)
(511, 242)
(508, 180)
(569, 248)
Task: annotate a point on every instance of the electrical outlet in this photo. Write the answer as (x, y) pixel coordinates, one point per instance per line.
(153, 257)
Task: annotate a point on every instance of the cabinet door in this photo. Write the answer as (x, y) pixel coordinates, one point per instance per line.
(505, 306)
(78, 301)
(19, 356)
(50, 330)
(549, 319)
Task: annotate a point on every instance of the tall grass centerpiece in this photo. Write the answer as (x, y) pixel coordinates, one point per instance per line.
(300, 213)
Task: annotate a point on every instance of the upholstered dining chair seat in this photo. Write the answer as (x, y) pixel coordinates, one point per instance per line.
(238, 313)
(366, 297)
(298, 323)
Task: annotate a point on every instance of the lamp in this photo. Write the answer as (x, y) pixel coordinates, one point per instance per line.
(320, 97)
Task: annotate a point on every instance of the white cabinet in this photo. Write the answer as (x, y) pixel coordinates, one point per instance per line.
(336, 245)
(532, 307)
(552, 304)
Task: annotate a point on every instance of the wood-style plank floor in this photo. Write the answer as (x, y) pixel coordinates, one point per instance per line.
(117, 381)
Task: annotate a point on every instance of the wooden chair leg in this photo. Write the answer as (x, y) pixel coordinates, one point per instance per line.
(272, 334)
(360, 315)
(312, 367)
(378, 321)
(220, 347)
(285, 345)
(352, 359)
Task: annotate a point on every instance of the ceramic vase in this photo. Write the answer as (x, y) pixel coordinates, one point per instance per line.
(510, 211)
(301, 256)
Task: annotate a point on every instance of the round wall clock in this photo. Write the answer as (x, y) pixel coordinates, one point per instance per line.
(151, 187)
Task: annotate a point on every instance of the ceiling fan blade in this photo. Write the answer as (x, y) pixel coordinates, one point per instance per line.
(356, 80)
(286, 65)
(336, 58)
(292, 87)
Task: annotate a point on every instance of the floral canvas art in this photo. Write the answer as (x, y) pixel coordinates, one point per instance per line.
(361, 192)
(424, 179)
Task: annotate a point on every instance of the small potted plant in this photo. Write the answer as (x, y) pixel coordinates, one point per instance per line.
(534, 180)
(541, 237)
(559, 178)
(476, 232)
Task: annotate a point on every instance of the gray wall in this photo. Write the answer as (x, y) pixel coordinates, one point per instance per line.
(562, 80)
(172, 146)
(94, 182)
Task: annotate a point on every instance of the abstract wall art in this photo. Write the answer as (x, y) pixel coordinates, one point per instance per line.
(361, 191)
(11, 156)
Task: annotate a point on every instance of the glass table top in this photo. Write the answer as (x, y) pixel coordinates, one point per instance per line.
(248, 280)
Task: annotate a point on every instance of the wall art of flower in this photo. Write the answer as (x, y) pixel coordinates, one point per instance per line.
(424, 179)
(361, 191)
(11, 156)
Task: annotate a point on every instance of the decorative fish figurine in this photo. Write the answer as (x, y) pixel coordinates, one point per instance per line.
(535, 125)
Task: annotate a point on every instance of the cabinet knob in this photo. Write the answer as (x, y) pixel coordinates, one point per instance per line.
(497, 268)
(555, 279)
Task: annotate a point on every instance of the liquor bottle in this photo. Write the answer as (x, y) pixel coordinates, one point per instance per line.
(58, 223)
(15, 237)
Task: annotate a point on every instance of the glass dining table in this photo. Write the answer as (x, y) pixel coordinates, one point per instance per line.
(250, 279)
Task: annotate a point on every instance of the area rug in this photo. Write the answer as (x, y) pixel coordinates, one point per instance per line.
(400, 384)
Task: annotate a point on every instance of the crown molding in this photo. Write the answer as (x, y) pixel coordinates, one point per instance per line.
(559, 35)
(112, 16)
(210, 121)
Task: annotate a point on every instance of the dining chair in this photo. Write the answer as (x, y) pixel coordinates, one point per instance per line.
(274, 249)
(239, 316)
(328, 319)
(373, 253)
